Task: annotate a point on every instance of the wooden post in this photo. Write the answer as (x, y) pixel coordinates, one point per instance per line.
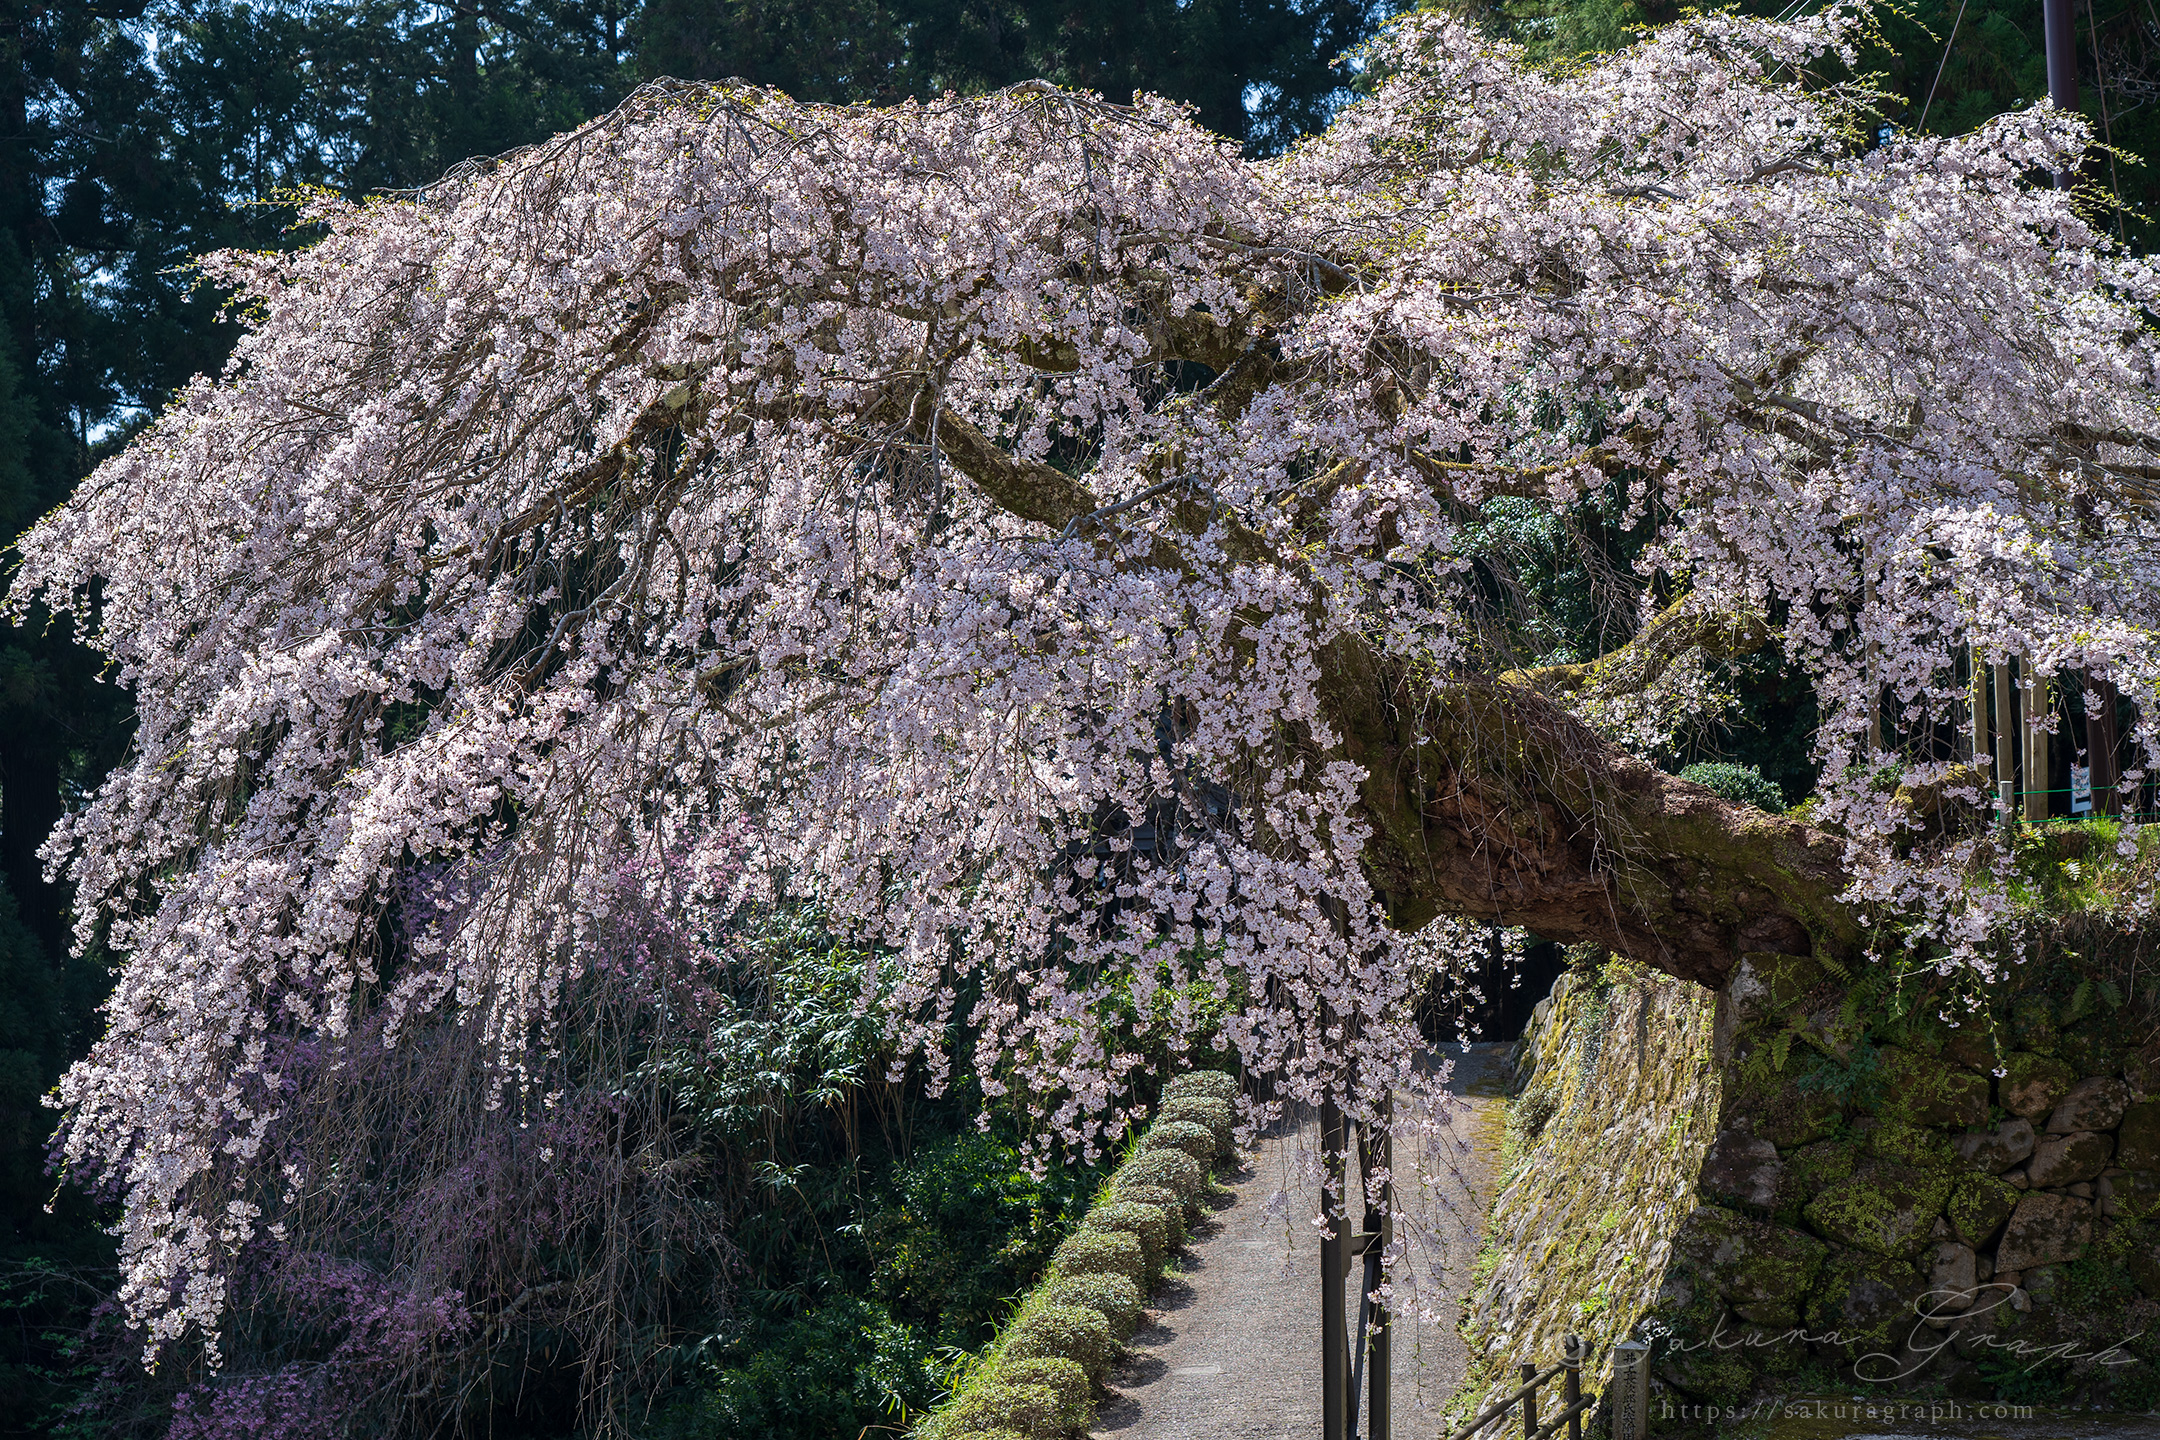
(2100, 748)
(1571, 1353)
(2005, 747)
(1529, 1402)
(2036, 745)
(1874, 666)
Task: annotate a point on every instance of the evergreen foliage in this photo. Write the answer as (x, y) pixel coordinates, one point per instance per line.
(1743, 783)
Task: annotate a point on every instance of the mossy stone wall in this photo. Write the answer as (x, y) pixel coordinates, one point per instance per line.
(1814, 1180)
(1616, 1104)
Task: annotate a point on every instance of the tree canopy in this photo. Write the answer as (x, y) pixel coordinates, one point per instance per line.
(1053, 541)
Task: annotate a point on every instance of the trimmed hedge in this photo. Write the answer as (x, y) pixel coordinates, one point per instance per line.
(1143, 1222)
(1034, 1384)
(1064, 1377)
(1029, 1409)
(1217, 1115)
(1195, 1140)
(1173, 1209)
(1061, 1332)
(1209, 1084)
(1113, 1297)
(1173, 1170)
(1101, 1252)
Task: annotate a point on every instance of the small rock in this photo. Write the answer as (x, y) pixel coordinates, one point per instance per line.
(2033, 1085)
(2019, 1178)
(2083, 1189)
(2128, 1195)
(1928, 1091)
(2044, 1230)
(2008, 1144)
(2063, 1160)
(1979, 1204)
(2095, 1103)
(1954, 1275)
(1742, 1168)
(2012, 1278)
(1888, 1209)
(2138, 1146)
(2020, 1301)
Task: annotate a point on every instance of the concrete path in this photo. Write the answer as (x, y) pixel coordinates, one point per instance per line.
(1231, 1349)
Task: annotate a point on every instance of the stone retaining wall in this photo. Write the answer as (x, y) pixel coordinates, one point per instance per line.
(1616, 1100)
(1814, 1182)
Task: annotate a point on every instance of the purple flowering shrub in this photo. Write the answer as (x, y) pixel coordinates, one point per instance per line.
(437, 1206)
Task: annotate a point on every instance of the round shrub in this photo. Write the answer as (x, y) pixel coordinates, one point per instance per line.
(1743, 783)
(1114, 1297)
(1030, 1409)
(1144, 1222)
(1208, 1084)
(1173, 1170)
(1167, 1201)
(1062, 1332)
(1101, 1252)
(1063, 1378)
(1195, 1140)
(1217, 1115)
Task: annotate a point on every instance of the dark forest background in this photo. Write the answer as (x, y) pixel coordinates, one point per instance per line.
(134, 136)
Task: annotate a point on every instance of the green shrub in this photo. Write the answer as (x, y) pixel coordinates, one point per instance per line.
(1208, 1084)
(1195, 1140)
(1101, 1252)
(1115, 1298)
(1144, 1222)
(1173, 1209)
(1062, 1332)
(1035, 1410)
(1172, 1170)
(1064, 1378)
(1743, 783)
(1217, 1115)
(827, 1371)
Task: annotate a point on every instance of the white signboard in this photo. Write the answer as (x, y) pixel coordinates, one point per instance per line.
(2080, 789)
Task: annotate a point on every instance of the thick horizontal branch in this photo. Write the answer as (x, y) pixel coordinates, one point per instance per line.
(1637, 665)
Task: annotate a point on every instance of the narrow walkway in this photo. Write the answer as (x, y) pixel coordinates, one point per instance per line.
(1231, 1349)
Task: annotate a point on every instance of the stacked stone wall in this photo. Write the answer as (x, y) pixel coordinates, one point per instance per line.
(1615, 1108)
(1814, 1181)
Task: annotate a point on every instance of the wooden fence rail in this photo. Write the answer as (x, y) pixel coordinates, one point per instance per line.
(1573, 1403)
